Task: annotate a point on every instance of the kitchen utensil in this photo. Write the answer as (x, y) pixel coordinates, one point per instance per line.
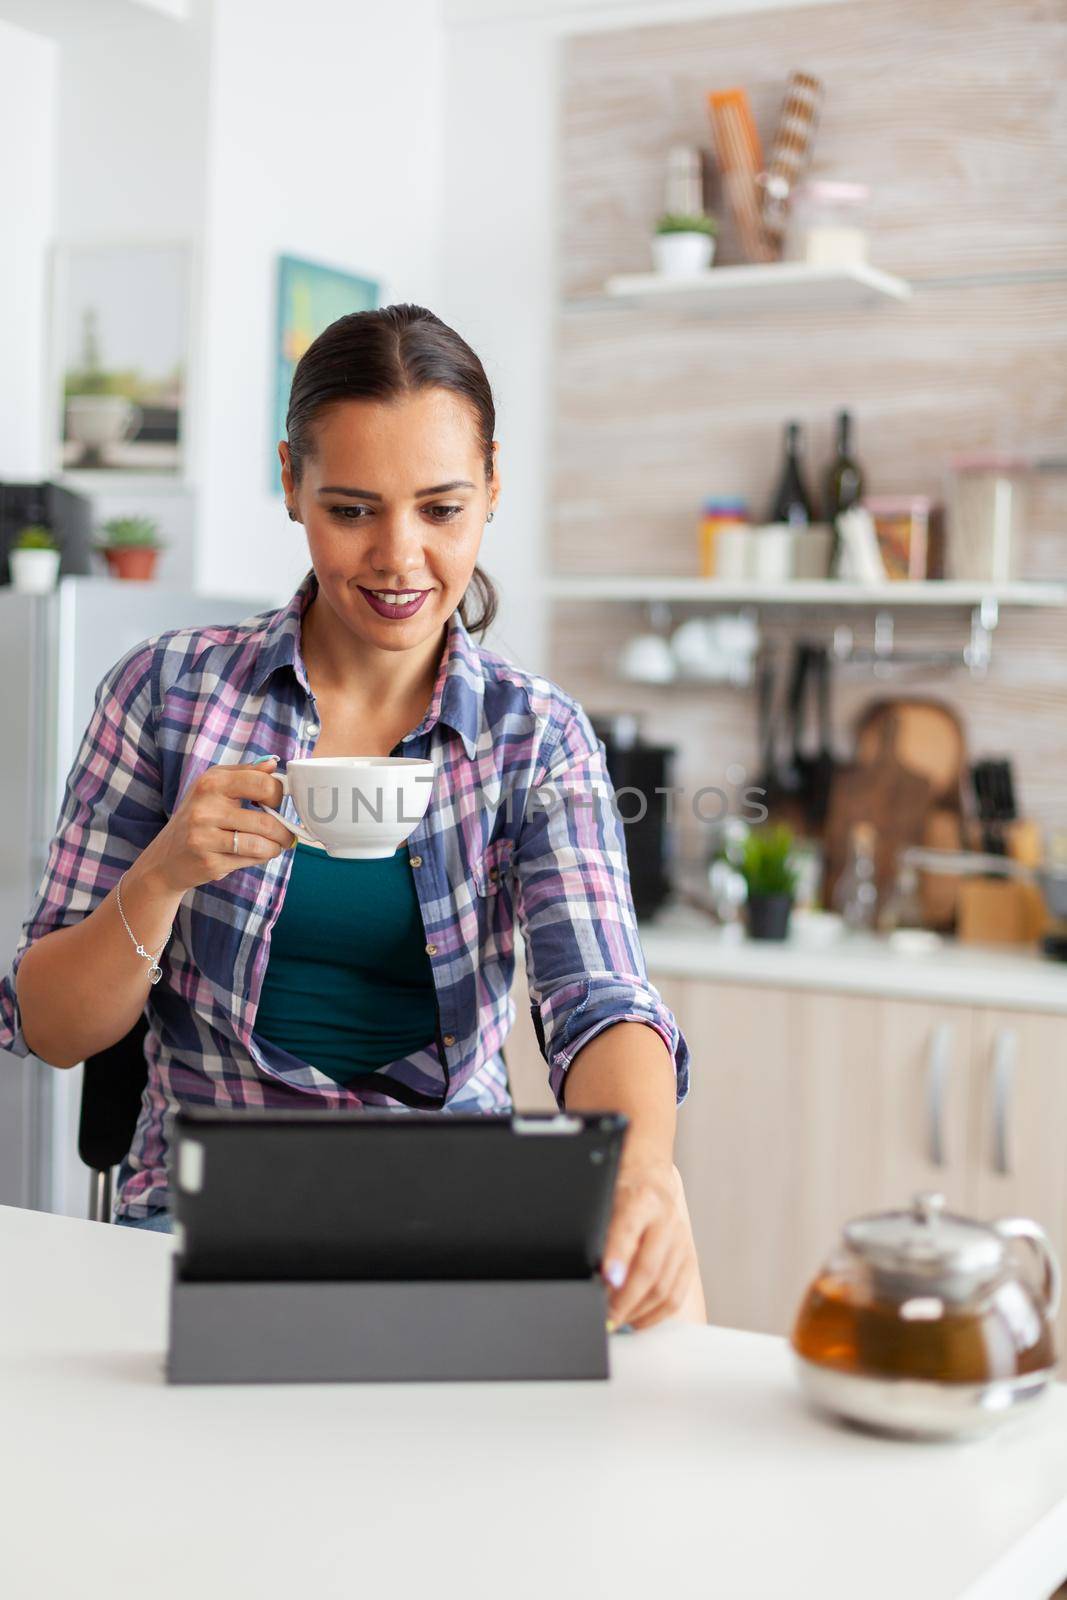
(790, 154)
(883, 792)
(647, 658)
(740, 157)
(929, 1324)
(929, 739)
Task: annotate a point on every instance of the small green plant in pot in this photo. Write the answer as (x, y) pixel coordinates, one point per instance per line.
(131, 546)
(34, 560)
(771, 878)
(684, 245)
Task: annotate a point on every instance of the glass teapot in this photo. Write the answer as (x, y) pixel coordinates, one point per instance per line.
(930, 1324)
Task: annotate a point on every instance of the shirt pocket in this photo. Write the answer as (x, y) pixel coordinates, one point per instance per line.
(492, 870)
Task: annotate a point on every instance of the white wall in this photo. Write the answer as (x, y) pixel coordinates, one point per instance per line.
(27, 126)
(324, 139)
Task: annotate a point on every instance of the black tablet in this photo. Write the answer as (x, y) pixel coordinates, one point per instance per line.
(267, 1195)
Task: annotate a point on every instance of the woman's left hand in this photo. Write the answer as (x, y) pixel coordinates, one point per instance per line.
(650, 1261)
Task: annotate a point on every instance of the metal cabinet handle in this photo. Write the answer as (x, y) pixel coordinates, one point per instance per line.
(1005, 1054)
(938, 1063)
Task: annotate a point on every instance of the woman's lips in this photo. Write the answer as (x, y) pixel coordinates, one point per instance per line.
(389, 608)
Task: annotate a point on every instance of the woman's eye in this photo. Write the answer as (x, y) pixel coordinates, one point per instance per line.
(349, 513)
(443, 513)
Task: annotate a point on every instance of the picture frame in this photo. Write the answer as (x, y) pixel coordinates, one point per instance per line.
(120, 333)
(309, 295)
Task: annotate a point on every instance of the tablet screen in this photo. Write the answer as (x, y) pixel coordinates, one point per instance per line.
(264, 1196)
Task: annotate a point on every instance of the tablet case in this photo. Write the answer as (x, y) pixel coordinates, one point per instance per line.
(364, 1246)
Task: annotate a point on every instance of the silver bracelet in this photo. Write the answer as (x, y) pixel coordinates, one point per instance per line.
(155, 971)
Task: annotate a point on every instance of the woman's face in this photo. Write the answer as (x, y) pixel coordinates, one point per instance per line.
(394, 499)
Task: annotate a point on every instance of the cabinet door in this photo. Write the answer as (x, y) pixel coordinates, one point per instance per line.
(1019, 1123)
(736, 1149)
(881, 1108)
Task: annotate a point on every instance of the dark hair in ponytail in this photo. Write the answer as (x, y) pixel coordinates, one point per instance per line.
(378, 355)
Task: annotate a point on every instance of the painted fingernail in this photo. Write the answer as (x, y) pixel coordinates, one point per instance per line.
(294, 843)
(610, 1326)
(615, 1272)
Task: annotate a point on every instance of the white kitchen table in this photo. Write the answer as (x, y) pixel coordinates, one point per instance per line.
(695, 1471)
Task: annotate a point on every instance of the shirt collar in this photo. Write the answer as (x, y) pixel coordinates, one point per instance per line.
(458, 694)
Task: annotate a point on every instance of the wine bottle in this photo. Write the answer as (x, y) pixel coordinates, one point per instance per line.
(792, 503)
(844, 478)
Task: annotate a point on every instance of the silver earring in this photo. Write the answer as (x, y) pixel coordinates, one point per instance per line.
(292, 513)
(490, 517)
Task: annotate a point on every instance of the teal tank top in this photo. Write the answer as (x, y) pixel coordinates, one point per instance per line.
(348, 986)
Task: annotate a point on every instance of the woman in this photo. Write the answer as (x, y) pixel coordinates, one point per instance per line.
(275, 976)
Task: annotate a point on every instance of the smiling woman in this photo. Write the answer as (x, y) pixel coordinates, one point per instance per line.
(290, 977)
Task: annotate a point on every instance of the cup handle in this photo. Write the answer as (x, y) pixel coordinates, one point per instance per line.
(294, 827)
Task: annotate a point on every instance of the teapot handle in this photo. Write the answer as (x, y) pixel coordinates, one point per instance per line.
(1023, 1228)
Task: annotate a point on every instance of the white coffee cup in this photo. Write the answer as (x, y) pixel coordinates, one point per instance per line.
(358, 808)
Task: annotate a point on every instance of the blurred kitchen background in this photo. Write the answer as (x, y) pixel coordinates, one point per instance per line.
(774, 301)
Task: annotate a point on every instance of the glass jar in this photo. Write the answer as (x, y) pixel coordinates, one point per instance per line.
(986, 515)
(826, 223)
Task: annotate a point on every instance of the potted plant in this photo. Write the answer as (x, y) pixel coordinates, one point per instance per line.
(130, 546)
(684, 244)
(34, 560)
(771, 878)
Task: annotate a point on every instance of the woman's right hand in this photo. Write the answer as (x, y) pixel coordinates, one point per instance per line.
(196, 845)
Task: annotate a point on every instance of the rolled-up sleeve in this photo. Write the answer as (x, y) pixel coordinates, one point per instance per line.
(574, 907)
(112, 807)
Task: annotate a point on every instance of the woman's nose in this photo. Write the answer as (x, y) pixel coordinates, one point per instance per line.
(397, 545)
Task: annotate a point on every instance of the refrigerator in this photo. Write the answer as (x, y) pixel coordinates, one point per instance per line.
(54, 650)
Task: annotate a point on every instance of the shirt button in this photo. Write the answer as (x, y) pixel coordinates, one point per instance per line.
(416, 861)
(312, 728)
(431, 949)
(450, 1038)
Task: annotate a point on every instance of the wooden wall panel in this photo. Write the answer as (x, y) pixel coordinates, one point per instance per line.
(954, 111)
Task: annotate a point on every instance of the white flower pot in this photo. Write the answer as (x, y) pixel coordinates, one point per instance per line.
(33, 571)
(682, 255)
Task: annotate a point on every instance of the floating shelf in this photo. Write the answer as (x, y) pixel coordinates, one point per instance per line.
(825, 591)
(779, 285)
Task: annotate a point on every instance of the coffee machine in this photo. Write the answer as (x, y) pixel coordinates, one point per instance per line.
(68, 515)
(640, 774)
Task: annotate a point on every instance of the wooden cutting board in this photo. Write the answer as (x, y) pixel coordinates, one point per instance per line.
(887, 794)
(929, 739)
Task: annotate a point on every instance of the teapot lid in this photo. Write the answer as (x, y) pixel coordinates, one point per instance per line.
(926, 1243)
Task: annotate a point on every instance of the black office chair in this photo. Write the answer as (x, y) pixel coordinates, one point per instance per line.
(112, 1086)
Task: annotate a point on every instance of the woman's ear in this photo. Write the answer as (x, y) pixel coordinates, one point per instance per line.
(494, 481)
(287, 469)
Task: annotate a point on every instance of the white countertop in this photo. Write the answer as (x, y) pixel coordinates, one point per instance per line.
(682, 942)
(695, 1471)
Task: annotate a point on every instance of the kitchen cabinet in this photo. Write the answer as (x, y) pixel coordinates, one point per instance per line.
(873, 1100)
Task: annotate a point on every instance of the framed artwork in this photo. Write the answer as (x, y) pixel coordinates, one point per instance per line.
(310, 297)
(120, 329)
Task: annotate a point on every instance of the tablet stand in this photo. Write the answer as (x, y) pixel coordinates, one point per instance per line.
(337, 1332)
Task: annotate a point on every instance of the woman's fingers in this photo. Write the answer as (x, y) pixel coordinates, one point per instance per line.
(667, 1297)
(647, 1265)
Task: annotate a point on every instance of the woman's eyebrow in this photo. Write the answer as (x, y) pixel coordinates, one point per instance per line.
(368, 494)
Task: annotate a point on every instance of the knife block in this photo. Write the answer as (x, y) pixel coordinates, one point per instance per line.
(344, 1332)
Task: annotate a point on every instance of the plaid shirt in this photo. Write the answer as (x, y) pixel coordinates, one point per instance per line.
(520, 827)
